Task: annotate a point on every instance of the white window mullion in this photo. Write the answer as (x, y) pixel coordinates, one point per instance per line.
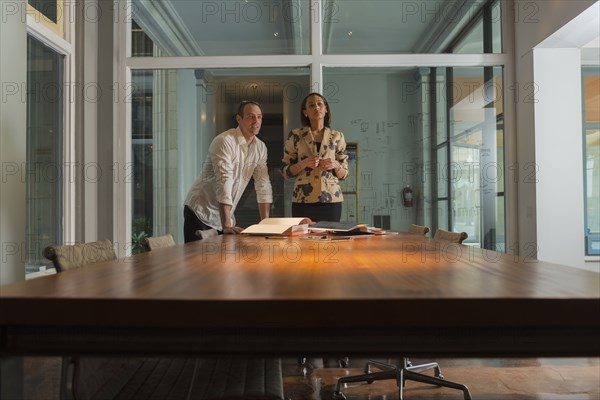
(510, 136)
(316, 70)
(122, 162)
(329, 60)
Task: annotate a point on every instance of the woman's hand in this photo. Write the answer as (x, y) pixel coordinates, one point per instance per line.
(329, 164)
(310, 162)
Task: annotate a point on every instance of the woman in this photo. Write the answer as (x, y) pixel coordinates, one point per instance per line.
(316, 156)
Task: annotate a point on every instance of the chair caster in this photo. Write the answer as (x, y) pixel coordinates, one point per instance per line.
(339, 396)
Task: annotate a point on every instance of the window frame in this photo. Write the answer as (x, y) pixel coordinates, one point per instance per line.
(591, 237)
(57, 38)
(316, 61)
(57, 27)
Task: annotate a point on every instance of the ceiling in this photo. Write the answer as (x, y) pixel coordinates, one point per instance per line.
(184, 28)
(282, 27)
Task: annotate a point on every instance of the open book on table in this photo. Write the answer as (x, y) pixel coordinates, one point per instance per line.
(280, 226)
(347, 228)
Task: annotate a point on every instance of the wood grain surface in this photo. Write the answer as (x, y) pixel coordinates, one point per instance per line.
(374, 283)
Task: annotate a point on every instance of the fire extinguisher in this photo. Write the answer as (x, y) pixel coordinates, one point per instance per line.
(407, 196)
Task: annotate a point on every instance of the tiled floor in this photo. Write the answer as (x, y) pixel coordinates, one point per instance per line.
(489, 379)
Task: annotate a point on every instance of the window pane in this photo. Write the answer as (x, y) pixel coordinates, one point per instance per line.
(209, 28)
(442, 215)
(44, 155)
(49, 8)
(496, 21)
(394, 27)
(472, 43)
(392, 131)
(500, 225)
(466, 192)
(477, 152)
(441, 108)
(443, 172)
(485, 36)
(175, 116)
(141, 44)
(381, 110)
(591, 93)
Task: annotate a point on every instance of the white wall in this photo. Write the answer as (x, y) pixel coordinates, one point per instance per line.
(539, 101)
(558, 155)
(13, 141)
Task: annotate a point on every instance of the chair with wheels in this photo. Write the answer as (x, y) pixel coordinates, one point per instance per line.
(406, 371)
(401, 373)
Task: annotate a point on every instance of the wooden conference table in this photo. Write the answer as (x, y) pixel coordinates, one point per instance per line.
(377, 295)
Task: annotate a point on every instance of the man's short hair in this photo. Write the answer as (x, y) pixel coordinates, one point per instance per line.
(243, 105)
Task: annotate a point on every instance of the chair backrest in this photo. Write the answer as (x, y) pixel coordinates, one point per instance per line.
(158, 242)
(70, 256)
(207, 233)
(454, 237)
(418, 229)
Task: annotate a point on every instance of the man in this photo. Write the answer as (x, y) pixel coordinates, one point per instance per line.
(233, 157)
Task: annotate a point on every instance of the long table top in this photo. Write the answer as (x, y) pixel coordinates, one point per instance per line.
(371, 294)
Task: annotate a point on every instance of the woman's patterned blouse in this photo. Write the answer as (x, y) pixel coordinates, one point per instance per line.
(315, 185)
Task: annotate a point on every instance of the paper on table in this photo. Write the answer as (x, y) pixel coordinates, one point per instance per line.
(347, 228)
(337, 226)
(279, 226)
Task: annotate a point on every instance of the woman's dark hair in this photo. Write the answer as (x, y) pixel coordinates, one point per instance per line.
(304, 118)
(243, 105)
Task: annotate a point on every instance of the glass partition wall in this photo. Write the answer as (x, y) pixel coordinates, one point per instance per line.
(435, 128)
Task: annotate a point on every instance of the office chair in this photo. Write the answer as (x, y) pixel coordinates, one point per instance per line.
(401, 373)
(154, 378)
(418, 229)
(66, 257)
(157, 242)
(452, 237)
(404, 371)
(180, 378)
(69, 257)
(207, 233)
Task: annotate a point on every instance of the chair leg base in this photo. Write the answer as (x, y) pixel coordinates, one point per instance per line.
(401, 374)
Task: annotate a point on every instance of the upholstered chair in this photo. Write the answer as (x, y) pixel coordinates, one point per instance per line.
(418, 229)
(70, 256)
(157, 242)
(454, 237)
